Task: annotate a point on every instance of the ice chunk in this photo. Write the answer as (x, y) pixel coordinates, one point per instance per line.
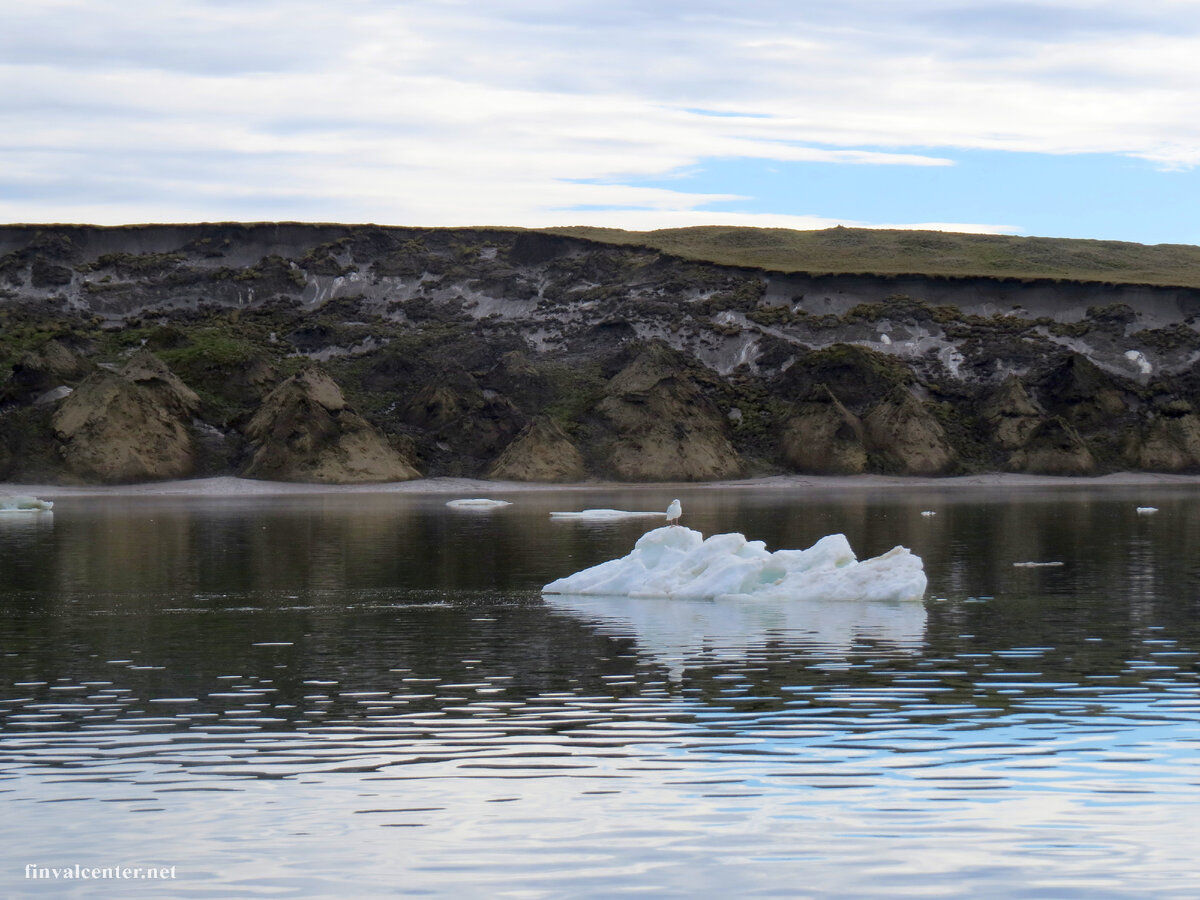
(1146, 510)
(24, 504)
(1037, 565)
(1138, 358)
(53, 395)
(477, 503)
(679, 563)
(602, 515)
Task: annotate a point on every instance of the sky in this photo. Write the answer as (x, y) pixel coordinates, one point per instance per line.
(1060, 118)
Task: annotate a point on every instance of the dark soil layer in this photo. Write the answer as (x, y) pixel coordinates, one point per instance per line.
(360, 353)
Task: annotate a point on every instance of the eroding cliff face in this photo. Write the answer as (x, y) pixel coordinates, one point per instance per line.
(1169, 441)
(663, 426)
(304, 431)
(907, 436)
(539, 356)
(1011, 415)
(824, 437)
(127, 426)
(1053, 448)
(465, 421)
(40, 371)
(541, 452)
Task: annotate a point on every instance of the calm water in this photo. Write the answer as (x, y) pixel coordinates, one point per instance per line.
(362, 696)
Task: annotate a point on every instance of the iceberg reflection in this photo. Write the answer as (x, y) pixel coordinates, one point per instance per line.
(675, 631)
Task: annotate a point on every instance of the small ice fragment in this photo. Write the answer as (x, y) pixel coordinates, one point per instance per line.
(1138, 358)
(477, 503)
(53, 395)
(928, 512)
(600, 515)
(21, 503)
(1146, 510)
(1036, 565)
(884, 339)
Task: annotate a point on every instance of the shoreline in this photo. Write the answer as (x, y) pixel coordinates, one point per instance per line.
(231, 486)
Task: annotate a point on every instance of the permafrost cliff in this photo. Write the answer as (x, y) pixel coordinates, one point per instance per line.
(360, 353)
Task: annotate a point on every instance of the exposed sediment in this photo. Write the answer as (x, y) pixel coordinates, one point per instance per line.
(356, 353)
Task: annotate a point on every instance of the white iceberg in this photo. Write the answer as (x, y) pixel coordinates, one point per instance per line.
(1146, 510)
(24, 504)
(679, 564)
(477, 503)
(604, 515)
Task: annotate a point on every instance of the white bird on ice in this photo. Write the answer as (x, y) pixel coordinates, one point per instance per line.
(674, 511)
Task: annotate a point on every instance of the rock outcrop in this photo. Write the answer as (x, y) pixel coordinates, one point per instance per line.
(542, 452)
(304, 431)
(127, 426)
(663, 427)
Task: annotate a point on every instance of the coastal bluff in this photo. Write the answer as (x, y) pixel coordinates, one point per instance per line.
(360, 353)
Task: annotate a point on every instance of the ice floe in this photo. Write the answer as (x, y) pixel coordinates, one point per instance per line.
(1037, 565)
(1146, 510)
(679, 563)
(603, 515)
(23, 504)
(477, 503)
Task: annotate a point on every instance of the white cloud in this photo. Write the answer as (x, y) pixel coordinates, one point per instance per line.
(517, 112)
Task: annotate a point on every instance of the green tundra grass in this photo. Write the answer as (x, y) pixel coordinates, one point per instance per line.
(884, 252)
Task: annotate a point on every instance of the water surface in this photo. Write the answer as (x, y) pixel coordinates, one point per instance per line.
(367, 695)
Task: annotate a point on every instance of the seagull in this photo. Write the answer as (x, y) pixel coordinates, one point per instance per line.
(674, 511)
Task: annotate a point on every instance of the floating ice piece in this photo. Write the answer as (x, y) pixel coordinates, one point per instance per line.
(477, 503)
(24, 504)
(928, 512)
(678, 563)
(1146, 510)
(1037, 565)
(603, 514)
